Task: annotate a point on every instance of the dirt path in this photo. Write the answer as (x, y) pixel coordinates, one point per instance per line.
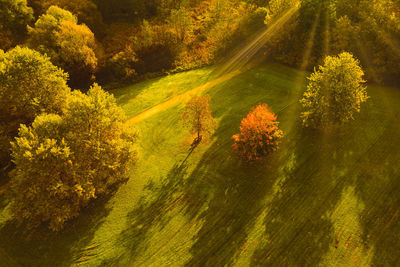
(180, 98)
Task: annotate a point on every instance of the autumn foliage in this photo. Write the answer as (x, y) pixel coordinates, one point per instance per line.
(259, 134)
(197, 116)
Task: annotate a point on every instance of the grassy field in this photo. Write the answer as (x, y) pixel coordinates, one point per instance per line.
(325, 198)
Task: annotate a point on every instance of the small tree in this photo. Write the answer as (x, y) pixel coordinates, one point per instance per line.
(335, 92)
(64, 161)
(198, 117)
(259, 134)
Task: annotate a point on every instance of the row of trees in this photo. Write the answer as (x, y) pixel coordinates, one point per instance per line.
(334, 94)
(69, 147)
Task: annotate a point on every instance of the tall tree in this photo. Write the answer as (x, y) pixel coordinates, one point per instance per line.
(85, 10)
(64, 161)
(15, 15)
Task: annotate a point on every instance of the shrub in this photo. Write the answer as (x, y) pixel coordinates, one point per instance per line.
(259, 134)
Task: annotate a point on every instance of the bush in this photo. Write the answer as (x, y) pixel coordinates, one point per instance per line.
(64, 161)
(259, 134)
(335, 92)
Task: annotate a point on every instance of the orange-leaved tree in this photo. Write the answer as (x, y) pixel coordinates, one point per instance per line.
(198, 117)
(259, 134)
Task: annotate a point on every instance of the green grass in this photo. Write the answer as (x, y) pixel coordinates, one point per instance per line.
(327, 199)
(139, 97)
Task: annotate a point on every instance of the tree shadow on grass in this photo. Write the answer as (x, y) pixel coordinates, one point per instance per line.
(298, 230)
(231, 194)
(221, 191)
(42, 247)
(152, 210)
(129, 92)
(378, 186)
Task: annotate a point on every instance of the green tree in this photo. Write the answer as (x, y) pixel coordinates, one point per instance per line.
(335, 92)
(14, 16)
(70, 46)
(29, 85)
(64, 161)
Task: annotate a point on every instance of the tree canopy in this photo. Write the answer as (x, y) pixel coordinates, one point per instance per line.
(15, 14)
(335, 92)
(29, 85)
(64, 161)
(259, 134)
(70, 45)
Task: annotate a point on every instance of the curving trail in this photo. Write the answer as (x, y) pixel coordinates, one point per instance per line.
(181, 98)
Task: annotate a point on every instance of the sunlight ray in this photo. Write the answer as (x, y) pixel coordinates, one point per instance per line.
(230, 69)
(300, 80)
(327, 33)
(366, 58)
(248, 52)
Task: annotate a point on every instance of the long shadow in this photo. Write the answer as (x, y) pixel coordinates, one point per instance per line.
(378, 185)
(362, 154)
(128, 92)
(228, 203)
(299, 231)
(231, 200)
(42, 247)
(149, 213)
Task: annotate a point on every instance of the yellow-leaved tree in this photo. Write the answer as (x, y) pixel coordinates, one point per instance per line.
(70, 45)
(64, 161)
(29, 85)
(335, 92)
